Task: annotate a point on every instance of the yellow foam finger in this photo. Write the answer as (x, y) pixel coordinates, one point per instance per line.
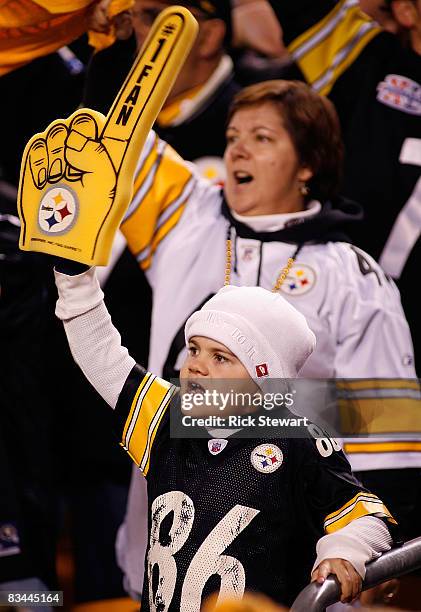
(59, 217)
(65, 218)
(77, 216)
(148, 84)
(137, 105)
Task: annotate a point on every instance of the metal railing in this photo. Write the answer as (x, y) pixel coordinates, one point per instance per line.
(398, 561)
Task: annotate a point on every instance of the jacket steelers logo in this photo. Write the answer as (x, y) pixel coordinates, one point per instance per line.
(267, 458)
(301, 278)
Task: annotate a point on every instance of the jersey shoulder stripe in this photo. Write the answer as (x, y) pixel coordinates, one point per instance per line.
(362, 504)
(140, 409)
(166, 222)
(162, 186)
(326, 50)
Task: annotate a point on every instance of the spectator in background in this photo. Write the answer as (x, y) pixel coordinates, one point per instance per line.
(204, 88)
(375, 88)
(373, 78)
(198, 102)
(28, 502)
(258, 49)
(256, 26)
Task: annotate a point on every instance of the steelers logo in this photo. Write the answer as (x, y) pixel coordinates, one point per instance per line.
(300, 280)
(58, 210)
(267, 458)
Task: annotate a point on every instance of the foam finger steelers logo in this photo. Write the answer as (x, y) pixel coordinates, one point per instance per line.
(58, 210)
(267, 458)
(300, 280)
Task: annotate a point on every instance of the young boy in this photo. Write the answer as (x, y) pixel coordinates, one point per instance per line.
(229, 514)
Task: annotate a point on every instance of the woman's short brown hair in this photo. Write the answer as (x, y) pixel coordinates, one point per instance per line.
(313, 125)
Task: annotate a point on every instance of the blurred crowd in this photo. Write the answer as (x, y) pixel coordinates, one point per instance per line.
(60, 467)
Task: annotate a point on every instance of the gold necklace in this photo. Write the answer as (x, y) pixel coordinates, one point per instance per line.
(281, 277)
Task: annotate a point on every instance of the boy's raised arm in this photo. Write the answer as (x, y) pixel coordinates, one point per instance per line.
(93, 340)
(141, 399)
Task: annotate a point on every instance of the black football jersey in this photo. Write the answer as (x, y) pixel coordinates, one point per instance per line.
(235, 514)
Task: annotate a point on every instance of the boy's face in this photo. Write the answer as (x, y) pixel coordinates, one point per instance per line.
(211, 367)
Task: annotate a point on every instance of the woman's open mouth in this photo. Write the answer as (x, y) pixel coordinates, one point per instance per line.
(242, 177)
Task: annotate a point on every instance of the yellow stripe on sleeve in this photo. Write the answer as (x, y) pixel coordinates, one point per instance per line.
(160, 184)
(380, 416)
(310, 36)
(153, 428)
(379, 406)
(146, 260)
(148, 407)
(363, 504)
(134, 403)
(325, 51)
(378, 383)
(343, 60)
(146, 164)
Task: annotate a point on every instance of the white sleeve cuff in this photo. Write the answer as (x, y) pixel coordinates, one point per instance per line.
(77, 294)
(361, 541)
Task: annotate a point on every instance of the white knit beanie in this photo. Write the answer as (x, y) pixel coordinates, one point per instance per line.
(268, 335)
